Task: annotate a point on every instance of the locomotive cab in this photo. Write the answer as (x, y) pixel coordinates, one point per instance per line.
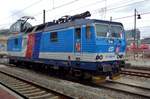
(110, 39)
(110, 47)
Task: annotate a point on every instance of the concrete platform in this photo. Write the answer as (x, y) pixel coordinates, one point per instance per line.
(5, 93)
(3, 60)
(139, 63)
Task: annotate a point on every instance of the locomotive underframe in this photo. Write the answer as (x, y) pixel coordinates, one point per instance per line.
(108, 68)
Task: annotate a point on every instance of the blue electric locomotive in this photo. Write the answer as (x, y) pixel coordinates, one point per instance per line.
(72, 43)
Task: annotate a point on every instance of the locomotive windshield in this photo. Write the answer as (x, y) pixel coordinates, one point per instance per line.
(102, 30)
(113, 31)
(116, 31)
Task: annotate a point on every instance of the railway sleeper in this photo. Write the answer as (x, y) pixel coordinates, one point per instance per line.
(18, 84)
(30, 91)
(25, 89)
(21, 87)
(38, 93)
(48, 95)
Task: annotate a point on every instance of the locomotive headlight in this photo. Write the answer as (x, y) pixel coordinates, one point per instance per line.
(119, 56)
(99, 57)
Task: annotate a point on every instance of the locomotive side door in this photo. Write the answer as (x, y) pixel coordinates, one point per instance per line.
(77, 43)
(30, 44)
(36, 47)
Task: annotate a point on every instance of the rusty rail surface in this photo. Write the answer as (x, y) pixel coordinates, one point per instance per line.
(135, 72)
(141, 91)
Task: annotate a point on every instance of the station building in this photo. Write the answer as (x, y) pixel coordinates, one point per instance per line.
(130, 34)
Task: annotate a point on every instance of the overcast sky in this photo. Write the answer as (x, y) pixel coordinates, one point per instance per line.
(119, 10)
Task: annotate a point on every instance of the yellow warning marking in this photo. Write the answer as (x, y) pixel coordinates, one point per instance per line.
(115, 77)
(98, 79)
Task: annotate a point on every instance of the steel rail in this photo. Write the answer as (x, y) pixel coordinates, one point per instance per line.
(26, 89)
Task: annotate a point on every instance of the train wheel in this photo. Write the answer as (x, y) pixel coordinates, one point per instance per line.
(77, 73)
(87, 76)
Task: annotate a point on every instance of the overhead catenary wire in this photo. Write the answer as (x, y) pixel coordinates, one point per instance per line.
(140, 27)
(98, 8)
(97, 2)
(66, 4)
(40, 12)
(54, 8)
(114, 8)
(33, 4)
(92, 4)
(27, 7)
(130, 16)
(71, 2)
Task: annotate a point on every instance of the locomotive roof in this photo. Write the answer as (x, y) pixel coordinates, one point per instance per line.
(51, 26)
(77, 23)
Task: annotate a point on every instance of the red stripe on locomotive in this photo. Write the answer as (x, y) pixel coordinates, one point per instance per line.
(30, 45)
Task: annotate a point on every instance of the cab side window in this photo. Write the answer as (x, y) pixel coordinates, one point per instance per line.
(78, 33)
(53, 37)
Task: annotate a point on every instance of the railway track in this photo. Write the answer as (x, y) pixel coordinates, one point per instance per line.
(67, 90)
(127, 88)
(124, 87)
(135, 72)
(26, 89)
